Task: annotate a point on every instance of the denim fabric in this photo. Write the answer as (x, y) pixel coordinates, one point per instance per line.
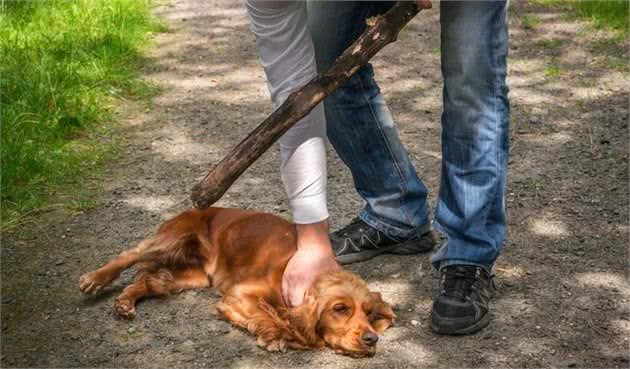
(471, 209)
(361, 129)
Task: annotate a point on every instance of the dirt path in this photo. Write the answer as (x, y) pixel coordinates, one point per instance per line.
(563, 280)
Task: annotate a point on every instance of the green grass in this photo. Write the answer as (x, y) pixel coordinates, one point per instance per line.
(552, 70)
(605, 13)
(530, 21)
(611, 14)
(64, 67)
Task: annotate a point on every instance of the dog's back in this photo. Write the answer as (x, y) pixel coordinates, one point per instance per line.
(227, 248)
(235, 245)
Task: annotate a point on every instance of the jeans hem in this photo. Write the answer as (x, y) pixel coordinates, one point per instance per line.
(391, 230)
(488, 268)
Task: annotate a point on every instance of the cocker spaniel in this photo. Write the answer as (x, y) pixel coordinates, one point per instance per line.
(243, 254)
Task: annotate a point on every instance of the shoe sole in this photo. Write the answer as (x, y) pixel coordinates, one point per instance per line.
(424, 244)
(460, 331)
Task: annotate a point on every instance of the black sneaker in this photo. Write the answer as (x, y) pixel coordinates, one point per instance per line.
(359, 242)
(462, 304)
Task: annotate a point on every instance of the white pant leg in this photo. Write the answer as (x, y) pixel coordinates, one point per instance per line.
(288, 57)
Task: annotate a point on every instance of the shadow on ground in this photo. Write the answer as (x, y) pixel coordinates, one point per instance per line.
(563, 297)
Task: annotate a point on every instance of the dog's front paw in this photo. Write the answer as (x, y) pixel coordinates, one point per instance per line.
(273, 345)
(124, 308)
(93, 282)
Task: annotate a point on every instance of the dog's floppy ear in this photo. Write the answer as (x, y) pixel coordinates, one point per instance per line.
(382, 315)
(303, 321)
(280, 328)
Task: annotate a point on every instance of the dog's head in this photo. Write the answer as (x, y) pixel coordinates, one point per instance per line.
(343, 314)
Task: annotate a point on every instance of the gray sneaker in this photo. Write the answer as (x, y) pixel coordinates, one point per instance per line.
(359, 242)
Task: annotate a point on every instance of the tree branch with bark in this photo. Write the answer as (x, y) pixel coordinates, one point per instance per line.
(380, 31)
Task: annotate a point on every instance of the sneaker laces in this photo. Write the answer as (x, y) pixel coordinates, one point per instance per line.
(459, 282)
(354, 224)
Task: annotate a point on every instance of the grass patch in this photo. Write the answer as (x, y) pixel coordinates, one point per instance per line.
(63, 67)
(550, 44)
(552, 70)
(611, 14)
(605, 13)
(530, 21)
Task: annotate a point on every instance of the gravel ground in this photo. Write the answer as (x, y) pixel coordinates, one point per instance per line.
(563, 297)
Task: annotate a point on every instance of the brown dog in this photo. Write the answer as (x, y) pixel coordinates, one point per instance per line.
(243, 254)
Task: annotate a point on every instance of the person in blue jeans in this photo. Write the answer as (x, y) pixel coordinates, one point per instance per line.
(470, 210)
(294, 40)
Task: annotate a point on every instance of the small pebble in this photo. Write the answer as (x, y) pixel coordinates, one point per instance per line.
(131, 330)
(414, 322)
(537, 327)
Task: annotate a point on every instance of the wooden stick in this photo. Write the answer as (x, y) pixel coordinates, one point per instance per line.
(380, 31)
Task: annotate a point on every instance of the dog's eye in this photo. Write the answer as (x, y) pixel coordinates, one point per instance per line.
(340, 308)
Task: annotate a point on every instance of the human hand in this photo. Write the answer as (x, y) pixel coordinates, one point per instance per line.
(313, 257)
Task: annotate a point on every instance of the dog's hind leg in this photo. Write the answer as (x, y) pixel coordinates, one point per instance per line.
(159, 282)
(169, 248)
(95, 281)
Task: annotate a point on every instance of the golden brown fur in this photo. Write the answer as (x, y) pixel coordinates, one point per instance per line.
(243, 254)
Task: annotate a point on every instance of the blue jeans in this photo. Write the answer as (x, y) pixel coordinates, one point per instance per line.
(470, 210)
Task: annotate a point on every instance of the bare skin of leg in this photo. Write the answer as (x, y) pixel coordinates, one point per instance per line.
(158, 283)
(93, 282)
(313, 257)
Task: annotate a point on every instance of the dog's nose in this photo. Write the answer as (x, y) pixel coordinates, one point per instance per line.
(369, 338)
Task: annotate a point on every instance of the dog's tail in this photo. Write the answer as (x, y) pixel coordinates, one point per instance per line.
(180, 241)
(175, 250)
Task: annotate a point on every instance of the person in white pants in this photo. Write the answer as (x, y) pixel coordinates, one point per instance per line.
(288, 58)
